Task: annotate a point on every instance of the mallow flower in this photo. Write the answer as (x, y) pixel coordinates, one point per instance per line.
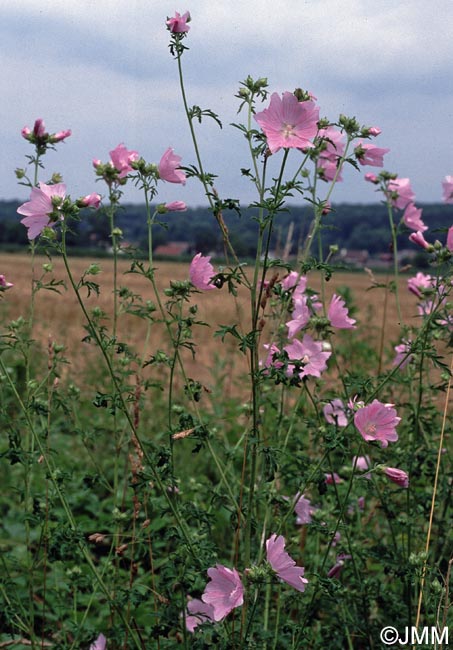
(198, 612)
(377, 421)
(122, 158)
(283, 565)
(449, 243)
(417, 238)
(337, 313)
(312, 355)
(369, 154)
(169, 168)
(201, 271)
(412, 217)
(178, 24)
(447, 186)
(400, 192)
(42, 207)
(398, 476)
(224, 592)
(289, 123)
(334, 412)
(4, 284)
(303, 510)
(99, 644)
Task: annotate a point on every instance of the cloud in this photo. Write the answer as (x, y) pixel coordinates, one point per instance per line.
(103, 69)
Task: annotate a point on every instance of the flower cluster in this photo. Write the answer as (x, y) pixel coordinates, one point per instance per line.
(49, 205)
(225, 590)
(41, 138)
(305, 357)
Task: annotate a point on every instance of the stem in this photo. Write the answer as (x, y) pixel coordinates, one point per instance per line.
(434, 494)
(124, 408)
(393, 231)
(69, 516)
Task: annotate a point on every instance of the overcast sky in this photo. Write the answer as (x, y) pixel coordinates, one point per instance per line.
(102, 68)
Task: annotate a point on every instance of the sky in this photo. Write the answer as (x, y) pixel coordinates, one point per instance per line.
(103, 69)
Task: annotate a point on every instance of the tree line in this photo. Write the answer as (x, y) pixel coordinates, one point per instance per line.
(349, 226)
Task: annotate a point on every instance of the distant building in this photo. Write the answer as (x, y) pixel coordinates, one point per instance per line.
(353, 257)
(174, 249)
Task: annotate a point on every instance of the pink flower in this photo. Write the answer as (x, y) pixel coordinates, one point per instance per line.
(300, 317)
(450, 238)
(328, 170)
(420, 281)
(413, 218)
(292, 280)
(331, 479)
(39, 129)
(92, 200)
(311, 353)
(374, 131)
(334, 413)
(402, 356)
(377, 421)
(447, 185)
(400, 192)
(198, 613)
(61, 135)
(121, 159)
(283, 565)
(398, 476)
(371, 178)
(225, 591)
(176, 206)
(332, 148)
(362, 463)
(178, 24)
(40, 136)
(201, 271)
(337, 568)
(169, 168)
(288, 123)
(272, 350)
(417, 238)
(303, 510)
(368, 154)
(99, 644)
(41, 207)
(338, 314)
(4, 284)
(332, 145)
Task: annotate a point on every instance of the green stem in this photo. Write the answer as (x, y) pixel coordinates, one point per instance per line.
(67, 510)
(119, 394)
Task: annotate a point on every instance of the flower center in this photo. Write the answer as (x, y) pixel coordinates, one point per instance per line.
(287, 130)
(370, 429)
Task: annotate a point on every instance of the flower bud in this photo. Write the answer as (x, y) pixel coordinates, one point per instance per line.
(92, 200)
(49, 233)
(58, 137)
(39, 129)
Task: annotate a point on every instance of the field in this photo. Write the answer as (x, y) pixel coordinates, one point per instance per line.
(59, 318)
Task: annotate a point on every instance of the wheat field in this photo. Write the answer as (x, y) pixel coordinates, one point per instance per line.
(58, 317)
